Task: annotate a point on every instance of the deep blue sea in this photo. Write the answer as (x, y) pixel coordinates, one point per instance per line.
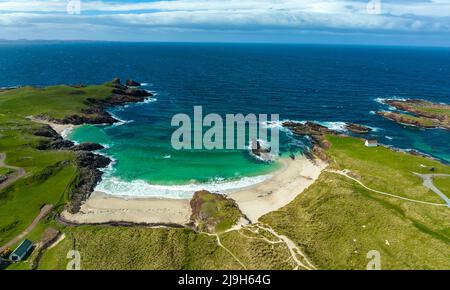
(330, 84)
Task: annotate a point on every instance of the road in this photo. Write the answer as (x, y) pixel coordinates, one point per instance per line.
(345, 173)
(18, 173)
(44, 211)
(428, 182)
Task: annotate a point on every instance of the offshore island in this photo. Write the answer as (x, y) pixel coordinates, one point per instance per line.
(325, 209)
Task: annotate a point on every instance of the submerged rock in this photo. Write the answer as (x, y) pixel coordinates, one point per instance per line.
(357, 128)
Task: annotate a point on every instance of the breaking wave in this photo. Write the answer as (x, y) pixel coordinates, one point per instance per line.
(140, 188)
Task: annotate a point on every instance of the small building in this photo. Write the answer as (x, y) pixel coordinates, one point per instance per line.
(21, 251)
(371, 143)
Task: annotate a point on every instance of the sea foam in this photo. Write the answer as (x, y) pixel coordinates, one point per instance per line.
(142, 189)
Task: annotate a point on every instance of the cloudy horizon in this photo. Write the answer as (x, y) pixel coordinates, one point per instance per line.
(400, 22)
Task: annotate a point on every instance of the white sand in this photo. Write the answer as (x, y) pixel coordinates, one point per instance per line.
(61, 129)
(102, 208)
(278, 191)
(254, 201)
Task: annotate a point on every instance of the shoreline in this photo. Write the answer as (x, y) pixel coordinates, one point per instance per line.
(62, 129)
(254, 201)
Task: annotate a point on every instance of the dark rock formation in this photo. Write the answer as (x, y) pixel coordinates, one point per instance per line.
(137, 93)
(317, 134)
(3, 178)
(54, 141)
(89, 176)
(46, 131)
(405, 119)
(91, 160)
(132, 83)
(357, 129)
(115, 81)
(427, 112)
(260, 151)
(88, 146)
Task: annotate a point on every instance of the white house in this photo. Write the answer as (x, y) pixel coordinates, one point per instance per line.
(371, 143)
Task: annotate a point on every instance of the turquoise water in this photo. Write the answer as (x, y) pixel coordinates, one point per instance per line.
(330, 84)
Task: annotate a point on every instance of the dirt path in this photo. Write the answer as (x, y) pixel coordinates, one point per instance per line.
(293, 249)
(428, 182)
(219, 243)
(13, 177)
(344, 173)
(44, 211)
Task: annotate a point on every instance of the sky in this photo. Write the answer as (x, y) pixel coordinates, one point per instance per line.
(372, 22)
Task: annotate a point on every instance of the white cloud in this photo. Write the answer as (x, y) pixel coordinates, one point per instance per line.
(244, 15)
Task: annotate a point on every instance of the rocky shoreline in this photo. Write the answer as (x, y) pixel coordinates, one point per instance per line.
(424, 114)
(88, 163)
(96, 113)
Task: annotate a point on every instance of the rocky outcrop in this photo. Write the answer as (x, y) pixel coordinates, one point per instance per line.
(317, 134)
(3, 178)
(87, 162)
(426, 114)
(89, 176)
(53, 142)
(408, 120)
(96, 113)
(357, 128)
(212, 212)
(88, 146)
(132, 83)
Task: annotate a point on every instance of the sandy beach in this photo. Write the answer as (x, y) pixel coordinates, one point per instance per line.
(254, 201)
(61, 129)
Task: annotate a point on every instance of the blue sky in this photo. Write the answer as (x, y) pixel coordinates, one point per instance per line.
(397, 22)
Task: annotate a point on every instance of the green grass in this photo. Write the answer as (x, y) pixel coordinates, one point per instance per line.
(49, 174)
(54, 101)
(414, 120)
(142, 248)
(443, 183)
(336, 221)
(218, 212)
(5, 171)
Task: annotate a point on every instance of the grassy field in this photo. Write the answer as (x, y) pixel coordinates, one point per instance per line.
(411, 120)
(336, 221)
(49, 174)
(143, 248)
(443, 183)
(5, 171)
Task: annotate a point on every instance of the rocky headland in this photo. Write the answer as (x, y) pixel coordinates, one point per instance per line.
(419, 113)
(88, 163)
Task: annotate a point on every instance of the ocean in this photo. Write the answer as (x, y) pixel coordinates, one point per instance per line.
(328, 84)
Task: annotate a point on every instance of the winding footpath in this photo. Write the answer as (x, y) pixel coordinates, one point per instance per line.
(345, 173)
(19, 173)
(13, 177)
(45, 210)
(294, 251)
